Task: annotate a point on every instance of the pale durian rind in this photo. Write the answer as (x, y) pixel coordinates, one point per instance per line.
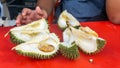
(68, 47)
(70, 51)
(27, 32)
(39, 24)
(88, 40)
(31, 48)
(66, 19)
(15, 40)
(97, 46)
(68, 36)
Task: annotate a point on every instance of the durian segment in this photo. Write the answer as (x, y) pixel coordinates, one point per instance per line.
(88, 31)
(70, 51)
(16, 40)
(68, 36)
(39, 24)
(89, 42)
(39, 48)
(91, 46)
(68, 47)
(66, 19)
(27, 32)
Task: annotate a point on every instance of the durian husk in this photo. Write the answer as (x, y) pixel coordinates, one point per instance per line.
(28, 31)
(31, 48)
(15, 40)
(66, 19)
(35, 55)
(68, 47)
(100, 44)
(25, 36)
(86, 38)
(71, 51)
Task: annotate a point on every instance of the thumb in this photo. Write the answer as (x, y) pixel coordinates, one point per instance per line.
(39, 10)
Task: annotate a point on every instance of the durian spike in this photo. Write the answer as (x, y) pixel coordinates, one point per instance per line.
(6, 34)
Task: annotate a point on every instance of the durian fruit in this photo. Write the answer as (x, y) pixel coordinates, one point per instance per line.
(44, 47)
(66, 19)
(27, 32)
(68, 48)
(88, 40)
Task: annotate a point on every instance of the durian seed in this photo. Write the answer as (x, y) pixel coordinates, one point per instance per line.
(90, 60)
(46, 48)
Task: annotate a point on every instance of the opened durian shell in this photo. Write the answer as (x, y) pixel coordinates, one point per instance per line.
(66, 19)
(70, 51)
(88, 40)
(27, 32)
(68, 48)
(44, 47)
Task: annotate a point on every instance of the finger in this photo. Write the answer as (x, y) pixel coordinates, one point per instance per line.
(26, 11)
(18, 20)
(24, 17)
(32, 15)
(45, 15)
(37, 17)
(39, 11)
(24, 22)
(18, 24)
(27, 20)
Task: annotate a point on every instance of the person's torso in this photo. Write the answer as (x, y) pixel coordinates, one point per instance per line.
(83, 10)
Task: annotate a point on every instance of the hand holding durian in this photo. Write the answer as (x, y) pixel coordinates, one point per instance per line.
(35, 40)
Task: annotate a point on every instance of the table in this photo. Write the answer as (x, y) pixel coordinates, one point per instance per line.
(107, 58)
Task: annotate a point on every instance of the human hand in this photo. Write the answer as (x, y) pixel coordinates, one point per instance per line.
(29, 15)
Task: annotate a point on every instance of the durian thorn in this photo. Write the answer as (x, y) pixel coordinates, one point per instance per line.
(13, 48)
(6, 34)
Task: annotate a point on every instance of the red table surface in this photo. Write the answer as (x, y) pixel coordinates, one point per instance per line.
(109, 57)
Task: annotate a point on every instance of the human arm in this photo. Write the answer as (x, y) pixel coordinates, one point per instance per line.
(46, 5)
(113, 10)
(43, 9)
